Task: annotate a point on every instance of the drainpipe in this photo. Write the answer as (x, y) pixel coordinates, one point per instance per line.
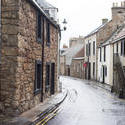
(43, 59)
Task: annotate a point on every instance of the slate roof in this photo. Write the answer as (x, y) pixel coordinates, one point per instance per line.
(45, 4)
(79, 54)
(34, 3)
(71, 52)
(120, 32)
(97, 29)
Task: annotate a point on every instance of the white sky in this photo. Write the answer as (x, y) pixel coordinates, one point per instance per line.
(82, 16)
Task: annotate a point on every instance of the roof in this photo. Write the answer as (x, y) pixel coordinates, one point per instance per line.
(118, 33)
(45, 4)
(71, 52)
(97, 29)
(35, 4)
(80, 53)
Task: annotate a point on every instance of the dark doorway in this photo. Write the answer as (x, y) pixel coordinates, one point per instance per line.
(103, 76)
(68, 71)
(52, 78)
(89, 71)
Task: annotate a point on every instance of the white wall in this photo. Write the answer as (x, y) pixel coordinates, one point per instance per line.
(92, 58)
(108, 63)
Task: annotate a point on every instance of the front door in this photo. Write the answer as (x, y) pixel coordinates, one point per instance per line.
(103, 76)
(52, 78)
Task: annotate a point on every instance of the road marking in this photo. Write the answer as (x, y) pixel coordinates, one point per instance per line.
(47, 117)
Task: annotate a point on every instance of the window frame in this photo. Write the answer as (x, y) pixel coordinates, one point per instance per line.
(94, 48)
(104, 53)
(48, 41)
(36, 88)
(40, 26)
(100, 54)
(48, 77)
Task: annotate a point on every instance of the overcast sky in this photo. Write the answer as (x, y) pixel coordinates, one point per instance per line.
(82, 16)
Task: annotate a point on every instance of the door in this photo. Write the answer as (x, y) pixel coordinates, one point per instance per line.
(52, 78)
(89, 71)
(103, 76)
(68, 71)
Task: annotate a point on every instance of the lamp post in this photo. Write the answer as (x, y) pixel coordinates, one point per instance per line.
(63, 29)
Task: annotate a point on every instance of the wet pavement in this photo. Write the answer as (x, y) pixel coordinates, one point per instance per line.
(87, 104)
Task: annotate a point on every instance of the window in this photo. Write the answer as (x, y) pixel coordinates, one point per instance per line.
(93, 68)
(117, 48)
(100, 54)
(38, 76)
(104, 53)
(39, 27)
(47, 77)
(48, 33)
(94, 48)
(89, 49)
(105, 68)
(123, 48)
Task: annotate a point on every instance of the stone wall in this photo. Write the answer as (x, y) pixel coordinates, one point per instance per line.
(77, 69)
(20, 50)
(9, 52)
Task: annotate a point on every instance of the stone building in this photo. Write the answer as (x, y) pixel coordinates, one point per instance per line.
(77, 65)
(29, 52)
(62, 60)
(100, 35)
(112, 61)
(75, 45)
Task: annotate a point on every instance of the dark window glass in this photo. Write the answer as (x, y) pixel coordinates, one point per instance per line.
(94, 69)
(117, 48)
(121, 47)
(89, 49)
(105, 70)
(104, 53)
(100, 54)
(86, 49)
(38, 76)
(39, 27)
(48, 33)
(94, 48)
(47, 76)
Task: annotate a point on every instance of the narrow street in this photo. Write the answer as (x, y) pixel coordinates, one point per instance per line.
(88, 105)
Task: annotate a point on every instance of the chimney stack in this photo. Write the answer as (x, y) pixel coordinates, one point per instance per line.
(104, 21)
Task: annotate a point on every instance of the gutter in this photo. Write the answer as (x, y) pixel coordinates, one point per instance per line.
(37, 6)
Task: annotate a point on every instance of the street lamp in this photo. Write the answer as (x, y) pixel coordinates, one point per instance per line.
(64, 23)
(64, 29)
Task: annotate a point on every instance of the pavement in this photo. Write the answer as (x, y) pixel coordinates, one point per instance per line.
(34, 115)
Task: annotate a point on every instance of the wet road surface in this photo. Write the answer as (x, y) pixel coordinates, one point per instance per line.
(88, 105)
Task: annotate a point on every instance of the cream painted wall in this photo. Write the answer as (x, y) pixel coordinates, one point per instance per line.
(92, 58)
(108, 63)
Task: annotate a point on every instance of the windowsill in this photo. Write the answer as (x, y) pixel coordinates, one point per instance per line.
(37, 92)
(48, 44)
(39, 40)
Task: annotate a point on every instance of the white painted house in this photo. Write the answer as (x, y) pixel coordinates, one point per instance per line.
(106, 58)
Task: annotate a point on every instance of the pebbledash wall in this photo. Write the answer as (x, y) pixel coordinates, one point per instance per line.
(20, 50)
